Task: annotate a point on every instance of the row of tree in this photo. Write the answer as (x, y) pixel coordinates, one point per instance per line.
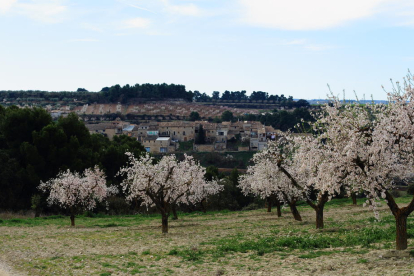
(255, 96)
(112, 94)
(162, 184)
(124, 94)
(353, 148)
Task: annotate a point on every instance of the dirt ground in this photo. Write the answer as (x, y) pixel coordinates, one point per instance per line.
(129, 247)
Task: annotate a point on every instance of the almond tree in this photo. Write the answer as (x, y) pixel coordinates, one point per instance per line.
(264, 180)
(369, 146)
(297, 159)
(166, 183)
(76, 192)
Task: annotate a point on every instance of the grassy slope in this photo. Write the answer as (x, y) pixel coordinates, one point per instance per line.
(215, 243)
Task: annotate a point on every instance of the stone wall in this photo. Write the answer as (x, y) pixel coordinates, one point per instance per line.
(208, 147)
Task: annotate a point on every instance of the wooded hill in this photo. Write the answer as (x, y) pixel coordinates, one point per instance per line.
(142, 93)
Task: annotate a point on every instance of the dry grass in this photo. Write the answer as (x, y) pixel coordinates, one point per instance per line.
(200, 244)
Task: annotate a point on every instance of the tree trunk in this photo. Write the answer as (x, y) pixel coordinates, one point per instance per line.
(400, 215)
(174, 211)
(279, 212)
(72, 220)
(322, 199)
(164, 223)
(269, 204)
(319, 217)
(203, 205)
(401, 224)
(354, 199)
(295, 211)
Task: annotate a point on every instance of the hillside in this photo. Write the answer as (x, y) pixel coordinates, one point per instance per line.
(162, 108)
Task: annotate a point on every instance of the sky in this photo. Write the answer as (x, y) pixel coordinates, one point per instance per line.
(293, 47)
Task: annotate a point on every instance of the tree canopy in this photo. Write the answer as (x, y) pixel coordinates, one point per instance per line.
(33, 148)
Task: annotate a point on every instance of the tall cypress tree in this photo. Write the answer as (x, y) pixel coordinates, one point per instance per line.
(201, 136)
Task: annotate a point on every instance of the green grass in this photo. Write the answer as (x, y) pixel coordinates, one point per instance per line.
(102, 221)
(362, 261)
(198, 242)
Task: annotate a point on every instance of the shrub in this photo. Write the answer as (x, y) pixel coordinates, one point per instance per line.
(118, 206)
(395, 193)
(410, 189)
(251, 206)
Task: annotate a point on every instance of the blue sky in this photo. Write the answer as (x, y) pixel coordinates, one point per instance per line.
(284, 47)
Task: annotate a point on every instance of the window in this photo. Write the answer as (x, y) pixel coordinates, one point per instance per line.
(220, 133)
(152, 132)
(183, 132)
(148, 149)
(162, 149)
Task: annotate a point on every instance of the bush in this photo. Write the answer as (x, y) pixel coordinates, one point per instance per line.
(251, 206)
(118, 206)
(395, 193)
(410, 189)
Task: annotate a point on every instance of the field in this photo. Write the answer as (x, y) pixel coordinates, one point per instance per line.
(216, 243)
(161, 108)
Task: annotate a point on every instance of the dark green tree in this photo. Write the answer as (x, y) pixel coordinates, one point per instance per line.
(194, 116)
(216, 95)
(227, 116)
(211, 173)
(201, 136)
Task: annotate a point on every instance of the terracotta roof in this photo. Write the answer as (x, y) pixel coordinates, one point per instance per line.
(101, 126)
(176, 124)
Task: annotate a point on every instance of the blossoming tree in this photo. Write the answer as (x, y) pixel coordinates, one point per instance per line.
(295, 162)
(77, 192)
(263, 179)
(166, 183)
(369, 146)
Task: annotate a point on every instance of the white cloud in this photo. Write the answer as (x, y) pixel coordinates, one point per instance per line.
(401, 12)
(137, 23)
(49, 11)
(5, 5)
(306, 14)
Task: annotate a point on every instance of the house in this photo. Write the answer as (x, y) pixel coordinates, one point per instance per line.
(130, 130)
(178, 130)
(162, 137)
(145, 130)
(107, 129)
(159, 144)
